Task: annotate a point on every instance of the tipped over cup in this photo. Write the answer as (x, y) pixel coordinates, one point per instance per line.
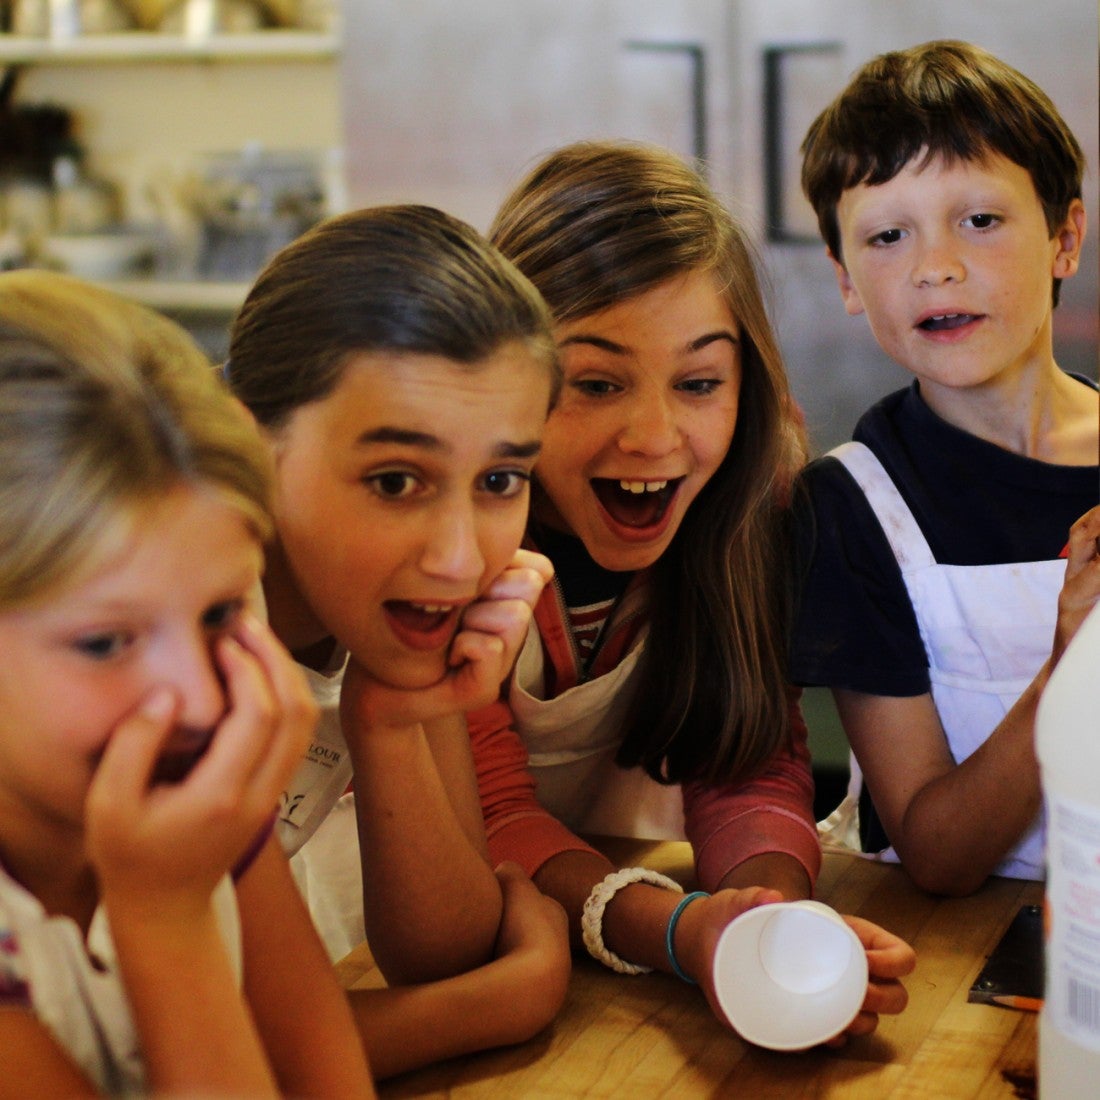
(790, 975)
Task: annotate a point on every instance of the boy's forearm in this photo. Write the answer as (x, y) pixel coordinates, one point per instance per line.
(962, 825)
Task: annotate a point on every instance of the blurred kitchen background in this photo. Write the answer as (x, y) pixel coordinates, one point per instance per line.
(452, 105)
(168, 146)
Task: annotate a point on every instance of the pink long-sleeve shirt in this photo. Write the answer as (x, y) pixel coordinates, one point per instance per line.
(726, 823)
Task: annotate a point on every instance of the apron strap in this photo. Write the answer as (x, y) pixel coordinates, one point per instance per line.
(898, 524)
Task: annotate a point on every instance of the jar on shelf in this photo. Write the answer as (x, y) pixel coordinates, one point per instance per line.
(28, 208)
(61, 19)
(203, 18)
(104, 17)
(82, 203)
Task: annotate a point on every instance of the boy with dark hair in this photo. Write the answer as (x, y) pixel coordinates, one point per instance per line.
(937, 594)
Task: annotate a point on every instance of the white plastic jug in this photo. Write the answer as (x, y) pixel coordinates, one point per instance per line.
(1067, 730)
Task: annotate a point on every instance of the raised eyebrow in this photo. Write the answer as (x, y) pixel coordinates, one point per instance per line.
(600, 342)
(611, 346)
(407, 437)
(531, 449)
(711, 337)
(403, 436)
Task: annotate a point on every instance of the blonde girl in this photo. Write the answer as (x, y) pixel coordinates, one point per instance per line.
(148, 723)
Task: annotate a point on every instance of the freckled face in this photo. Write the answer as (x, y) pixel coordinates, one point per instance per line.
(953, 265)
(400, 497)
(646, 416)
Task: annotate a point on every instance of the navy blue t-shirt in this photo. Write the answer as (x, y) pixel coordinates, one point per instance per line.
(976, 503)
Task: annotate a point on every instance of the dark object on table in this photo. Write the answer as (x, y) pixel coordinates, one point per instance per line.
(1013, 973)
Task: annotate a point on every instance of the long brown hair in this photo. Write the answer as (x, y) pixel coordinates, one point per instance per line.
(401, 278)
(598, 223)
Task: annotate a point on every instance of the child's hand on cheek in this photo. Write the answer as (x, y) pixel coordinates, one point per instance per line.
(494, 628)
(505, 609)
(163, 846)
(482, 654)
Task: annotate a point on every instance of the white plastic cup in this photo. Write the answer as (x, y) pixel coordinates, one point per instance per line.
(790, 975)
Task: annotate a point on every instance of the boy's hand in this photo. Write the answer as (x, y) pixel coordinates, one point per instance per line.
(1081, 587)
(482, 654)
(163, 846)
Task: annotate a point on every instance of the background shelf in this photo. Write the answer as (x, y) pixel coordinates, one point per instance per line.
(151, 46)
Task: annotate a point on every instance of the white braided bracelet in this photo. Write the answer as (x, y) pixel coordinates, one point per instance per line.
(592, 914)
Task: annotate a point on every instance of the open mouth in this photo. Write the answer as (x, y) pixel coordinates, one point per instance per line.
(945, 322)
(635, 503)
(175, 765)
(421, 625)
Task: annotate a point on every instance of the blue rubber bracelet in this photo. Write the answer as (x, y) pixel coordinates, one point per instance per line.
(685, 901)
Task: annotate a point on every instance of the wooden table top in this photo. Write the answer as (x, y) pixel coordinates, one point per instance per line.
(654, 1036)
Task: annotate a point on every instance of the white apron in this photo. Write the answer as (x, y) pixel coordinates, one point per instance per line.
(987, 629)
(572, 740)
(317, 824)
(83, 1005)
